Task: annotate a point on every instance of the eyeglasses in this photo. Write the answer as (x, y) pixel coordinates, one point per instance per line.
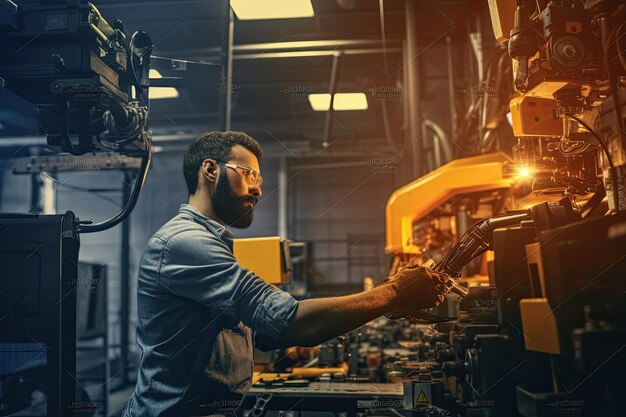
(252, 176)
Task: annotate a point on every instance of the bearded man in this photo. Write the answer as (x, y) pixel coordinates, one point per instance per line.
(201, 313)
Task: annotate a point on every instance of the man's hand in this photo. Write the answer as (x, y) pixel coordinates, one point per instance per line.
(419, 287)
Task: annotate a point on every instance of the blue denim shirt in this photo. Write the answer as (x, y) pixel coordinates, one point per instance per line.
(196, 308)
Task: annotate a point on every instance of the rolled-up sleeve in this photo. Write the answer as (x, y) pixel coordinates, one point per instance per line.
(201, 267)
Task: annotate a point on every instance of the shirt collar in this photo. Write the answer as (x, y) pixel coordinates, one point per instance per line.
(211, 224)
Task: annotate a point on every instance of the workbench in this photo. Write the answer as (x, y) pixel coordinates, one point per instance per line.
(346, 397)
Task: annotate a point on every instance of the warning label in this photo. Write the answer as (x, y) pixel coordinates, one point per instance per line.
(422, 400)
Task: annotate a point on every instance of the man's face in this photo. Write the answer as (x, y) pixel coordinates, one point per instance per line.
(234, 199)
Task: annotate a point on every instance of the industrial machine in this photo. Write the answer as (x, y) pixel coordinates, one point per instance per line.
(533, 235)
(268, 257)
(89, 83)
(536, 234)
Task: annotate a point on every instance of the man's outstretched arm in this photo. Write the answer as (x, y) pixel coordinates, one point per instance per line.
(321, 319)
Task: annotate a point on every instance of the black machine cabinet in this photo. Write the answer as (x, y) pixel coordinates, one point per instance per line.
(511, 273)
(580, 277)
(585, 274)
(38, 276)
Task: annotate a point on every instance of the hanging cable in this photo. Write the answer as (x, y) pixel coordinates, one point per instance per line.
(600, 141)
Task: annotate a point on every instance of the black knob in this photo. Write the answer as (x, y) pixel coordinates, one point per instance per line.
(57, 61)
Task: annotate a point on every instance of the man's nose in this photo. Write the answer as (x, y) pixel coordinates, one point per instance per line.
(255, 191)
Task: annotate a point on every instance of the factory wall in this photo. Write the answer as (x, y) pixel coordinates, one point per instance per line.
(341, 212)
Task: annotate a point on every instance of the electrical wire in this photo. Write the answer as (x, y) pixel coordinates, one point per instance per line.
(618, 42)
(135, 124)
(573, 147)
(602, 144)
(131, 47)
(442, 137)
(611, 79)
(483, 106)
(134, 194)
(141, 90)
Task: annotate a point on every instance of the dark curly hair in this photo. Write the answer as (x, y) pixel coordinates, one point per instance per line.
(214, 145)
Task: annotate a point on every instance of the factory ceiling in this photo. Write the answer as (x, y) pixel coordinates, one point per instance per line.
(277, 63)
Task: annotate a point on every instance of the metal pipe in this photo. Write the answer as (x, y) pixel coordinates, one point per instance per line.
(451, 99)
(331, 44)
(125, 4)
(23, 141)
(305, 45)
(305, 54)
(293, 201)
(332, 89)
(330, 165)
(404, 177)
(443, 139)
(125, 281)
(383, 102)
(49, 195)
(381, 8)
(480, 57)
(412, 67)
(226, 61)
(229, 69)
(282, 198)
(279, 55)
(427, 150)
(437, 150)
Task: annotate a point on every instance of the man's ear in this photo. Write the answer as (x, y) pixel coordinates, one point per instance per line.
(209, 170)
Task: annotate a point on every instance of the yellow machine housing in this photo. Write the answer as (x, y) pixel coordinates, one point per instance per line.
(418, 198)
(541, 333)
(268, 257)
(538, 321)
(533, 116)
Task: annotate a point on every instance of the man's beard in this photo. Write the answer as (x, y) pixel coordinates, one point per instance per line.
(230, 207)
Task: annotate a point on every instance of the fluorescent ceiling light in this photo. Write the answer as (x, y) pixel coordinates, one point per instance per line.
(342, 101)
(156, 93)
(271, 9)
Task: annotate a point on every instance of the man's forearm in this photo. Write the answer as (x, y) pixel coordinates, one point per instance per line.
(318, 320)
